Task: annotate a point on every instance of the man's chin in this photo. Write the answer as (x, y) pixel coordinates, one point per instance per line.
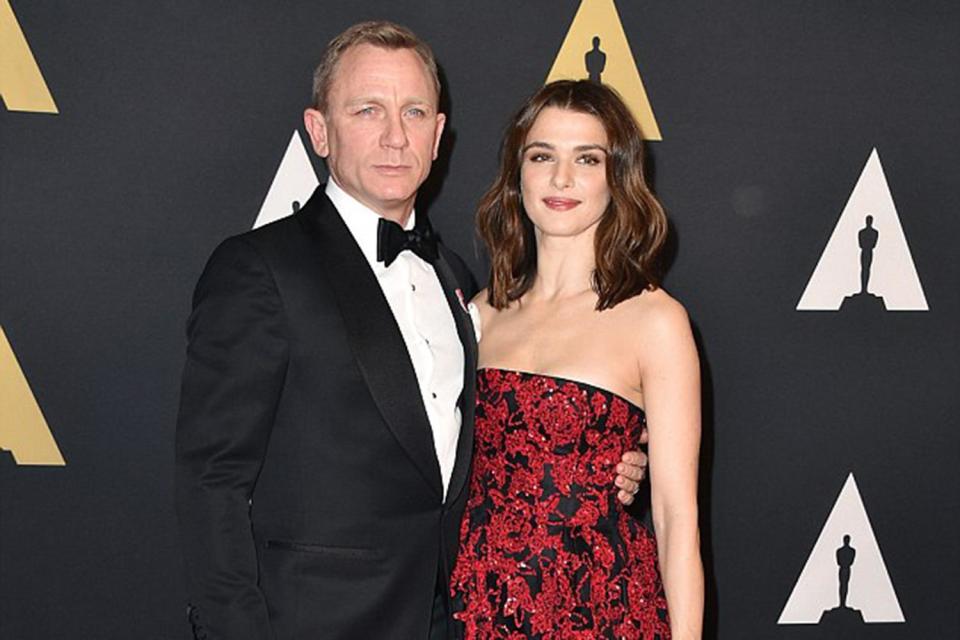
(390, 205)
(395, 195)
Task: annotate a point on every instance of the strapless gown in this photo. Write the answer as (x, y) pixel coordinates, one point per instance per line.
(546, 550)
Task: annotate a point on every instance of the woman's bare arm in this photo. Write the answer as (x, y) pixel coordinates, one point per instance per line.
(670, 376)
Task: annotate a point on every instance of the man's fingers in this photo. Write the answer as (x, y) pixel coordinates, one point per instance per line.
(627, 485)
(632, 472)
(634, 465)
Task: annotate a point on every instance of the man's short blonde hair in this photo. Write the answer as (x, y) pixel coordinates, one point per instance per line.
(380, 33)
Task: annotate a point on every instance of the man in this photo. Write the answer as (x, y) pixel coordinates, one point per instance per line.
(326, 421)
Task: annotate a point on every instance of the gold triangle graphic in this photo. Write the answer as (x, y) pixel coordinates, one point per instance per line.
(596, 41)
(23, 430)
(21, 84)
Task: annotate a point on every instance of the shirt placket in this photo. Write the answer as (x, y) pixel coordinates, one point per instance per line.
(419, 310)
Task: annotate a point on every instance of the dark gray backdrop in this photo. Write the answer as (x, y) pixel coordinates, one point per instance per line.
(174, 117)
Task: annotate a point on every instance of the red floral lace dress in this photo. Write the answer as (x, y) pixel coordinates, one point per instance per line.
(546, 550)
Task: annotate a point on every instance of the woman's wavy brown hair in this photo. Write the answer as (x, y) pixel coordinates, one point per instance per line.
(631, 232)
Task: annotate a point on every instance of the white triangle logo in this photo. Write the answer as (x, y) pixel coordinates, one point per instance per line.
(846, 555)
(293, 184)
(866, 263)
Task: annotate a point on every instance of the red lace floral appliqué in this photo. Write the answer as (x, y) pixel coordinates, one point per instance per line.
(546, 551)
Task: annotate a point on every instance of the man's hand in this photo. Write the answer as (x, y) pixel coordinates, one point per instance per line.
(631, 471)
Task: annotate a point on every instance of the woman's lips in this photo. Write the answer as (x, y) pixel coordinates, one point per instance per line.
(560, 204)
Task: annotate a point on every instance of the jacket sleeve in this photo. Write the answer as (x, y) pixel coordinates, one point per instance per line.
(235, 367)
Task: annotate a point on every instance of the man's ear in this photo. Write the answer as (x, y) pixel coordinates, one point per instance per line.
(441, 121)
(316, 125)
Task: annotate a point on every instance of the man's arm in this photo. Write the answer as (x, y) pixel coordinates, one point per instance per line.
(232, 379)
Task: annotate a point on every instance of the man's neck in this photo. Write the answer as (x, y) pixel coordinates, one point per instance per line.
(401, 217)
(399, 214)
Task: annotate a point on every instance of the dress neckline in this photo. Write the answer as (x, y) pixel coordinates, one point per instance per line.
(580, 383)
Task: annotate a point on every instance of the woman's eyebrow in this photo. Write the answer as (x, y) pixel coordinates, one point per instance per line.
(578, 148)
(537, 143)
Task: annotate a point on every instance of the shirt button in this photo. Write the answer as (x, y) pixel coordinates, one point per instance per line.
(413, 287)
(434, 396)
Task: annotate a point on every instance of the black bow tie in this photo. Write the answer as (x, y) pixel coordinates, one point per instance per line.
(392, 239)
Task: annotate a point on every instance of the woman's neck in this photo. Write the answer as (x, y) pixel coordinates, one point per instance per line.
(565, 267)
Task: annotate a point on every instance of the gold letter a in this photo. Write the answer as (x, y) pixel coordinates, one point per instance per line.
(21, 83)
(23, 430)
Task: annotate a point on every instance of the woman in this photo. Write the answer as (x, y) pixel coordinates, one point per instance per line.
(579, 349)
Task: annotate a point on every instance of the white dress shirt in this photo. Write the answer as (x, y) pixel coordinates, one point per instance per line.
(426, 323)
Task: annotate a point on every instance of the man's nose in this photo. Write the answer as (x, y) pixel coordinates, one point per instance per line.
(394, 134)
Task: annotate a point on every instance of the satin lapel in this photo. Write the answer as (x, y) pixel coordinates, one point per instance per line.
(374, 336)
(452, 291)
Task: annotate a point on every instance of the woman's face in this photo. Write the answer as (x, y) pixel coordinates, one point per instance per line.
(563, 173)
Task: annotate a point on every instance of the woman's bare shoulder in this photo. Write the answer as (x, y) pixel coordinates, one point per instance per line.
(481, 312)
(480, 298)
(482, 303)
(656, 310)
(656, 324)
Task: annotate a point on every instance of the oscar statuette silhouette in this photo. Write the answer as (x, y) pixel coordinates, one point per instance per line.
(843, 616)
(595, 60)
(863, 300)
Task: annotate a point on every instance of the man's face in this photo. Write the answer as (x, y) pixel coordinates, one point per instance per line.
(381, 130)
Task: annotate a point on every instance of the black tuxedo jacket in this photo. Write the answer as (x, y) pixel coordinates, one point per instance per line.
(307, 486)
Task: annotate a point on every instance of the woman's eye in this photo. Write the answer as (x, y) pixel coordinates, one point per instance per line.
(538, 157)
(589, 159)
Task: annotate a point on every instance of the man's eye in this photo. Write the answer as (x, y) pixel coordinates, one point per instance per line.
(416, 112)
(366, 111)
